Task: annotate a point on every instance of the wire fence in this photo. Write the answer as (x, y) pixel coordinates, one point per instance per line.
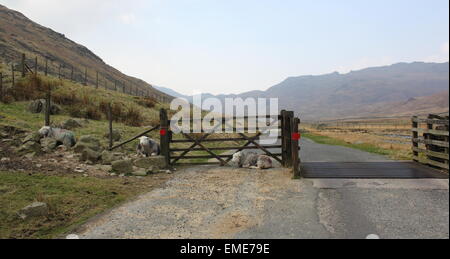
(15, 70)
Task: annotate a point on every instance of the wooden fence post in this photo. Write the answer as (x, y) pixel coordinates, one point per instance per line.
(59, 71)
(164, 134)
(13, 78)
(85, 76)
(110, 118)
(115, 85)
(415, 135)
(96, 82)
(1, 87)
(48, 107)
(35, 65)
(46, 67)
(295, 148)
(23, 65)
(71, 73)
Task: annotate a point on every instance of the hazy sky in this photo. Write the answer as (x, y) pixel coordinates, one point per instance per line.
(231, 46)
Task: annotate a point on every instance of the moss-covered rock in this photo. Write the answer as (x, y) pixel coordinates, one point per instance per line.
(89, 142)
(156, 162)
(122, 167)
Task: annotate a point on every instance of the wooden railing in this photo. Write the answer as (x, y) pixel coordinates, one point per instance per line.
(431, 140)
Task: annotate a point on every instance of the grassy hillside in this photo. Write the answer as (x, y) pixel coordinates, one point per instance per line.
(18, 35)
(131, 114)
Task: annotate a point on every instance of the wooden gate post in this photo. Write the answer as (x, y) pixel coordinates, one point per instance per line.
(415, 135)
(295, 148)
(164, 136)
(288, 136)
(283, 137)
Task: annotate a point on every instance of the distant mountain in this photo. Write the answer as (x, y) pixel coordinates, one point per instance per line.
(171, 92)
(377, 91)
(18, 35)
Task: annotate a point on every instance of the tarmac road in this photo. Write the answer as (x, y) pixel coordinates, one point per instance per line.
(214, 202)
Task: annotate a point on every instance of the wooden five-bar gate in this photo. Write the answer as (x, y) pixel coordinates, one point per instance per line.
(285, 150)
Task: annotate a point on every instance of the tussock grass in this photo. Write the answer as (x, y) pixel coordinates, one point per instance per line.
(85, 101)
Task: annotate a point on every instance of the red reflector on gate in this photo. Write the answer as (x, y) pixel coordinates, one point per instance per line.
(163, 132)
(296, 136)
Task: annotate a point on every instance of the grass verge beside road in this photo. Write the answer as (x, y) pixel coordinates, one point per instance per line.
(72, 200)
(393, 154)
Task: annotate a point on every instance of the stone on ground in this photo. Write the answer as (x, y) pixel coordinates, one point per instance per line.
(48, 144)
(154, 162)
(122, 166)
(90, 155)
(140, 172)
(36, 209)
(32, 137)
(38, 106)
(109, 157)
(87, 141)
(71, 124)
(29, 148)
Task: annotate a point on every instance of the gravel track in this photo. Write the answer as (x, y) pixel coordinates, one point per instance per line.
(215, 202)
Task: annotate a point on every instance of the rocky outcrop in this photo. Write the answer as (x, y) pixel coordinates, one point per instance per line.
(38, 106)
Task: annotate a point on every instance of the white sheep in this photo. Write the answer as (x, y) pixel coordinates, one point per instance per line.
(148, 147)
(62, 136)
(252, 160)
